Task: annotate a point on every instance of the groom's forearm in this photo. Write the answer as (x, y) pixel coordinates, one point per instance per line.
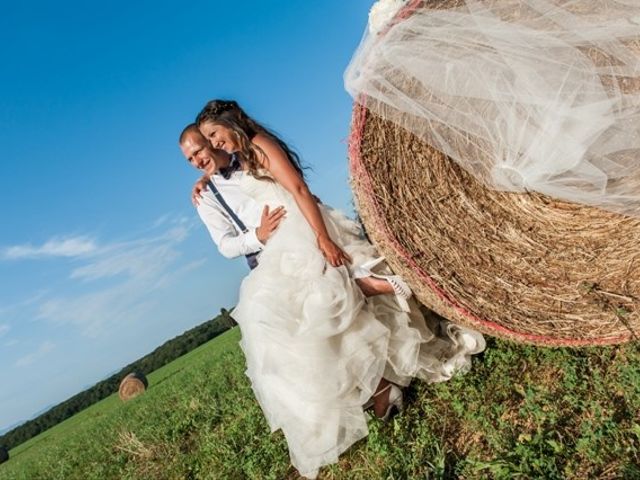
(229, 241)
(232, 246)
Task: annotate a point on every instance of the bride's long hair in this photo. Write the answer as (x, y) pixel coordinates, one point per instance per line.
(230, 115)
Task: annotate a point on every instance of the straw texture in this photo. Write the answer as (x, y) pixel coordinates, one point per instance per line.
(132, 385)
(522, 266)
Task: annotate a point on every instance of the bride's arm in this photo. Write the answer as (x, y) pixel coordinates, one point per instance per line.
(276, 162)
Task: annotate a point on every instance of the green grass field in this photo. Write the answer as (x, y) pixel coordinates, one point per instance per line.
(522, 412)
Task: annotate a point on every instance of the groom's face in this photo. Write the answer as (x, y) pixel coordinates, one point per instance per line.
(198, 151)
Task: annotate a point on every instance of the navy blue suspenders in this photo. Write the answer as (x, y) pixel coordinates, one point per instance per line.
(252, 259)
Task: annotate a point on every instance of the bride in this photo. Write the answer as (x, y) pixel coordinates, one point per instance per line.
(318, 351)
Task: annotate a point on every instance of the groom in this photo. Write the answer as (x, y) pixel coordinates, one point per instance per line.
(234, 220)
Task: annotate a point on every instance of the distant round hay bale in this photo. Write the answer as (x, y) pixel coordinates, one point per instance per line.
(4, 454)
(132, 385)
(522, 266)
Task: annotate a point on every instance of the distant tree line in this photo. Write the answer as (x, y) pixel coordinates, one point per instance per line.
(162, 355)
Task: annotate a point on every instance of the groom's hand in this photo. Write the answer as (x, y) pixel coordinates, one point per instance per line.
(269, 222)
(198, 188)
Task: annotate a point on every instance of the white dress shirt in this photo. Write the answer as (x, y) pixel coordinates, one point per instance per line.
(230, 240)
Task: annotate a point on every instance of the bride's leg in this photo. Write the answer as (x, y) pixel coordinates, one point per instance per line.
(381, 398)
(371, 286)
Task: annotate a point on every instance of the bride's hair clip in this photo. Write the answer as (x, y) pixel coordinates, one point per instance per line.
(216, 107)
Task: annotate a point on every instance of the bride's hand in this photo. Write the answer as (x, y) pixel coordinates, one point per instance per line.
(199, 187)
(332, 252)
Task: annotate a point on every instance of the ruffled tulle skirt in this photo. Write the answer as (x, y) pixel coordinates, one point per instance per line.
(316, 348)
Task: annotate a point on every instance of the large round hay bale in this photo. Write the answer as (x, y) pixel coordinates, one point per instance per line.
(522, 266)
(4, 454)
(132, 385)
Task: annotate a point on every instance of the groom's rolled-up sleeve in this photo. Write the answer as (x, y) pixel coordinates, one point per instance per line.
(231, 243)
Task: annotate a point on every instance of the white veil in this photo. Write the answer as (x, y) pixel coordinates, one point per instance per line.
(537, 95)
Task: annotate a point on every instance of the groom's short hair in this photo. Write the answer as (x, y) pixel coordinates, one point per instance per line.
(188, 130)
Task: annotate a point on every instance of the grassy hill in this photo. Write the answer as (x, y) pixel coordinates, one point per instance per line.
(522, 412)
(160, 356)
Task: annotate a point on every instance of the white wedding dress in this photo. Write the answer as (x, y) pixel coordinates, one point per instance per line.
(316, 348)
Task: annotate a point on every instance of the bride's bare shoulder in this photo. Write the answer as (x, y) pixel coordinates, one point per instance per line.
(266, 145)
(261, 139)
(268, 150)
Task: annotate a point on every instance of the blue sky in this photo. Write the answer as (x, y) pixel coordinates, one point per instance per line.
(102, 256)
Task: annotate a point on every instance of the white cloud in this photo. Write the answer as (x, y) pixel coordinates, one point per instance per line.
(161, 220)
(29, 359)
(144, 264)
(4, 328)
(94, 312)
(142, 261)
(19, 306)
(55, 247)
(137, 258)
